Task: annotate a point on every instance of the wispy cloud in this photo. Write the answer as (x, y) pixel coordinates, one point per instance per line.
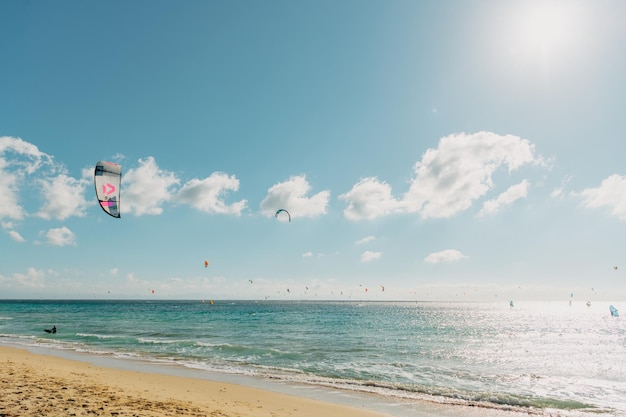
(16, 236)
(559, 191)
(292, 196)
(448, 255)
(447, 180)
(366, 239)
(33, 278)
(513, 193)
(611, 194)
(369, 256)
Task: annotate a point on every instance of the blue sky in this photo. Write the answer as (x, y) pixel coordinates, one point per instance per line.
(441, 150)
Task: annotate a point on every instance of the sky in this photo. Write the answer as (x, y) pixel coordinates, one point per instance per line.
(431, 150)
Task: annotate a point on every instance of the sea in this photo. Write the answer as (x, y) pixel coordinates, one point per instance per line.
(532, 358)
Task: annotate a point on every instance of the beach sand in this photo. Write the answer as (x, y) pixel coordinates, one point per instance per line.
(44, 385)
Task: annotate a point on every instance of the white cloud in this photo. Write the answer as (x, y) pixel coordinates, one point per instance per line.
(8, 188)
(61, 236)
(369, 256)
(448, 255)
(26, 155)
(307, 254)
(508, 197)
(366, 239)
(368, 199)
(16, 236)
(207, 194)
(447, 180)
(31, 279)
(64, 197)
(292, 196)
(610, 194)
(146, 188)
(18, 159)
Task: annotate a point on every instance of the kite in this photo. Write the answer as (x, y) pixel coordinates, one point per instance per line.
(107, 179)
(281, 211)
(206, 263)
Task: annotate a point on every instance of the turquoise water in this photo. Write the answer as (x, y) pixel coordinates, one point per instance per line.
(547, 356)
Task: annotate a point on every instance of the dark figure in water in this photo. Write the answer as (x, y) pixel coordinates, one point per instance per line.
(53, 330)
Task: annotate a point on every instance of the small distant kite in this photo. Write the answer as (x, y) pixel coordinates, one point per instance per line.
(283, 211)
(206, 263)
(615, 267)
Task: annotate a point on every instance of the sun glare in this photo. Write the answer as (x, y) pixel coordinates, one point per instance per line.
(546, 27)
(547, 30)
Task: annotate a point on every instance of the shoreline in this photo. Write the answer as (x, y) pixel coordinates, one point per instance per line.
(36, 384)
(44, 381)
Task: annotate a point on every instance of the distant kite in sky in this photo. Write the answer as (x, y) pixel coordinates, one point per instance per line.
(107, 179)
(283, 211)
(615, 267)
(206, 263)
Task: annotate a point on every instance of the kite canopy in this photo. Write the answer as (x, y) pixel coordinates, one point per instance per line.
(107, 179)
(283, 211)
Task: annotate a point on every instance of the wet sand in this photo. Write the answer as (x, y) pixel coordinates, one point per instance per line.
(44, 385)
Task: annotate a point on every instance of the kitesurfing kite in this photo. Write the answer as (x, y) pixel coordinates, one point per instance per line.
(283, 211)
(613, 311)
(107, 179)
(206, 263)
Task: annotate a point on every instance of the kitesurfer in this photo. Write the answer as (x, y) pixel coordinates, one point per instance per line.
(53, 330)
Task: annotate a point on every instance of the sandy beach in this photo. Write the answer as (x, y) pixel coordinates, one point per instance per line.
(43, 385)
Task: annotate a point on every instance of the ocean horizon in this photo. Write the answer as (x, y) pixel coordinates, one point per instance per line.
(533, 357)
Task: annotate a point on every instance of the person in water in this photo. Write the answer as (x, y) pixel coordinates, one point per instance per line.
(53, 330)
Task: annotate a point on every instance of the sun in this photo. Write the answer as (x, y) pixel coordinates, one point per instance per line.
(546, 27)
(547, 30)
